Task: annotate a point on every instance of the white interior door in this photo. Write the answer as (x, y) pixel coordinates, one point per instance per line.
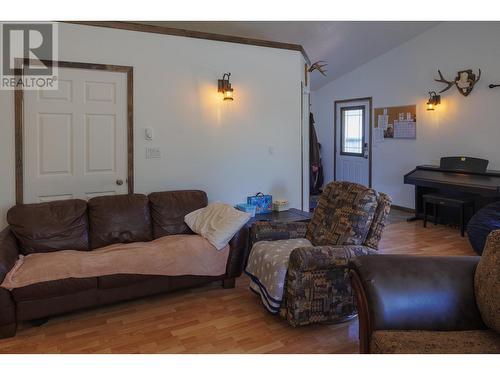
(75, 138)
(352, 141)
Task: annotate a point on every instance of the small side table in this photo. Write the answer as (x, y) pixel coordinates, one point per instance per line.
(288, 216)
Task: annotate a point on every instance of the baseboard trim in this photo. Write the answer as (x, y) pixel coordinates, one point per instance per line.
(402, 208)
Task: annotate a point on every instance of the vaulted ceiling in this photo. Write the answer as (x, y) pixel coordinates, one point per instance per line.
(344, 45)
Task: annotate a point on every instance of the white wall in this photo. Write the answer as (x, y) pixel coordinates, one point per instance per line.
(229, 149)
(459, 126)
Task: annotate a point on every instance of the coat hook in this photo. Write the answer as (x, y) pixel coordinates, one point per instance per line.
(492, 86)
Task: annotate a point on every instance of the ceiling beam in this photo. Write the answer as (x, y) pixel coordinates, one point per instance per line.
(140, 27)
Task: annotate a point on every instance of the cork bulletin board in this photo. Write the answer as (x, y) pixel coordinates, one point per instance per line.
(396, 122)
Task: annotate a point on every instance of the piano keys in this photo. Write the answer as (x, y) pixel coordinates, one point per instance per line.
(455, 177)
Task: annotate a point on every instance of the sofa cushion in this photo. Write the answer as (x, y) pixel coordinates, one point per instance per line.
(435, 342)
(119, 219)
(343, 216)
(168, 209)
(51, 226)
(487, 282)
(55, 288)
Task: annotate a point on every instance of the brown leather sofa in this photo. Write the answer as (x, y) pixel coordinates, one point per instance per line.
(79, 225)
(429, 304)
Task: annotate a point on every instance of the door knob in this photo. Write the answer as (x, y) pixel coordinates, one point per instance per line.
(119, 182)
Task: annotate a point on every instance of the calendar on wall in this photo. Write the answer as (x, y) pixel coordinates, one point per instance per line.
(396, 122)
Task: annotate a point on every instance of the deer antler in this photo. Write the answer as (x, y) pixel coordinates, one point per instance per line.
(319, 67)
(450, 83)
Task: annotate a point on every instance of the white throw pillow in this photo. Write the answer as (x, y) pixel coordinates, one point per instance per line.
(218, 223)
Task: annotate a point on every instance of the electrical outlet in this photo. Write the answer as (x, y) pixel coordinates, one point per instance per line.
(153, 153)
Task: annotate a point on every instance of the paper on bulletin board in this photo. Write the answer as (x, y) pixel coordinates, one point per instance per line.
(383, 121)
(397, 122)
(378, 136)
(405, 129)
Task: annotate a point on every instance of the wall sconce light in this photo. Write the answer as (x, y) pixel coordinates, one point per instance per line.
(225, 88)
(434, 100)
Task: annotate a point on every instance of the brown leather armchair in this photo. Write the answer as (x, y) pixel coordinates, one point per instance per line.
(418, 304)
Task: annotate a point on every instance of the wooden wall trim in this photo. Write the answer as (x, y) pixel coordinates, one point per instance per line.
(18, 139)
(19, 120)
(134, 26)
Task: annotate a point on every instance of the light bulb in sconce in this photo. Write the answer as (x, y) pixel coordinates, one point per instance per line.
(228, 95)
(433, 101)
(224, 86)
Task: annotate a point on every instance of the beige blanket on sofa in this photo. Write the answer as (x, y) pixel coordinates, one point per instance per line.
(168, 256)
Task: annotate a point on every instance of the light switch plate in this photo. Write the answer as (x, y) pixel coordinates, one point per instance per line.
(153, 153)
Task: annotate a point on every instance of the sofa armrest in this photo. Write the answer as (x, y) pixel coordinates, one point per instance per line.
(403, 292)
(267, 231)
(314, 258)
(238, 253)
(9, 252)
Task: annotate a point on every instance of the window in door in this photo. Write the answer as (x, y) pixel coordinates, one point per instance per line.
(352, 130)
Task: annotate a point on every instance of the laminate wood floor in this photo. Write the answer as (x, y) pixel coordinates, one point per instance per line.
(210, 319)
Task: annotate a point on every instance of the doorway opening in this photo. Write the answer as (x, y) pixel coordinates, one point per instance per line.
(353, 141)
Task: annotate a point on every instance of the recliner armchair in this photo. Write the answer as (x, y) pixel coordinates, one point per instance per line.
(429, 304)
(347, 222)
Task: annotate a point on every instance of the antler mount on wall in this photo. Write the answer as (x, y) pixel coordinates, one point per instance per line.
(319, 66)
(464, 81)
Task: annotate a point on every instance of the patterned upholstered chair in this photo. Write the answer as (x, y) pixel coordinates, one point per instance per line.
(300, 269)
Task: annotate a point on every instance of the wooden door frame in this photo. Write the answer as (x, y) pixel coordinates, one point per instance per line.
(370, 105)
(19, 119)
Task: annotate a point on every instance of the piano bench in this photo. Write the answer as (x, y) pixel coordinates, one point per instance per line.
(437, 200)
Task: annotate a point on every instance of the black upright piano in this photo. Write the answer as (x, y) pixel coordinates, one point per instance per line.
(456, 176)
